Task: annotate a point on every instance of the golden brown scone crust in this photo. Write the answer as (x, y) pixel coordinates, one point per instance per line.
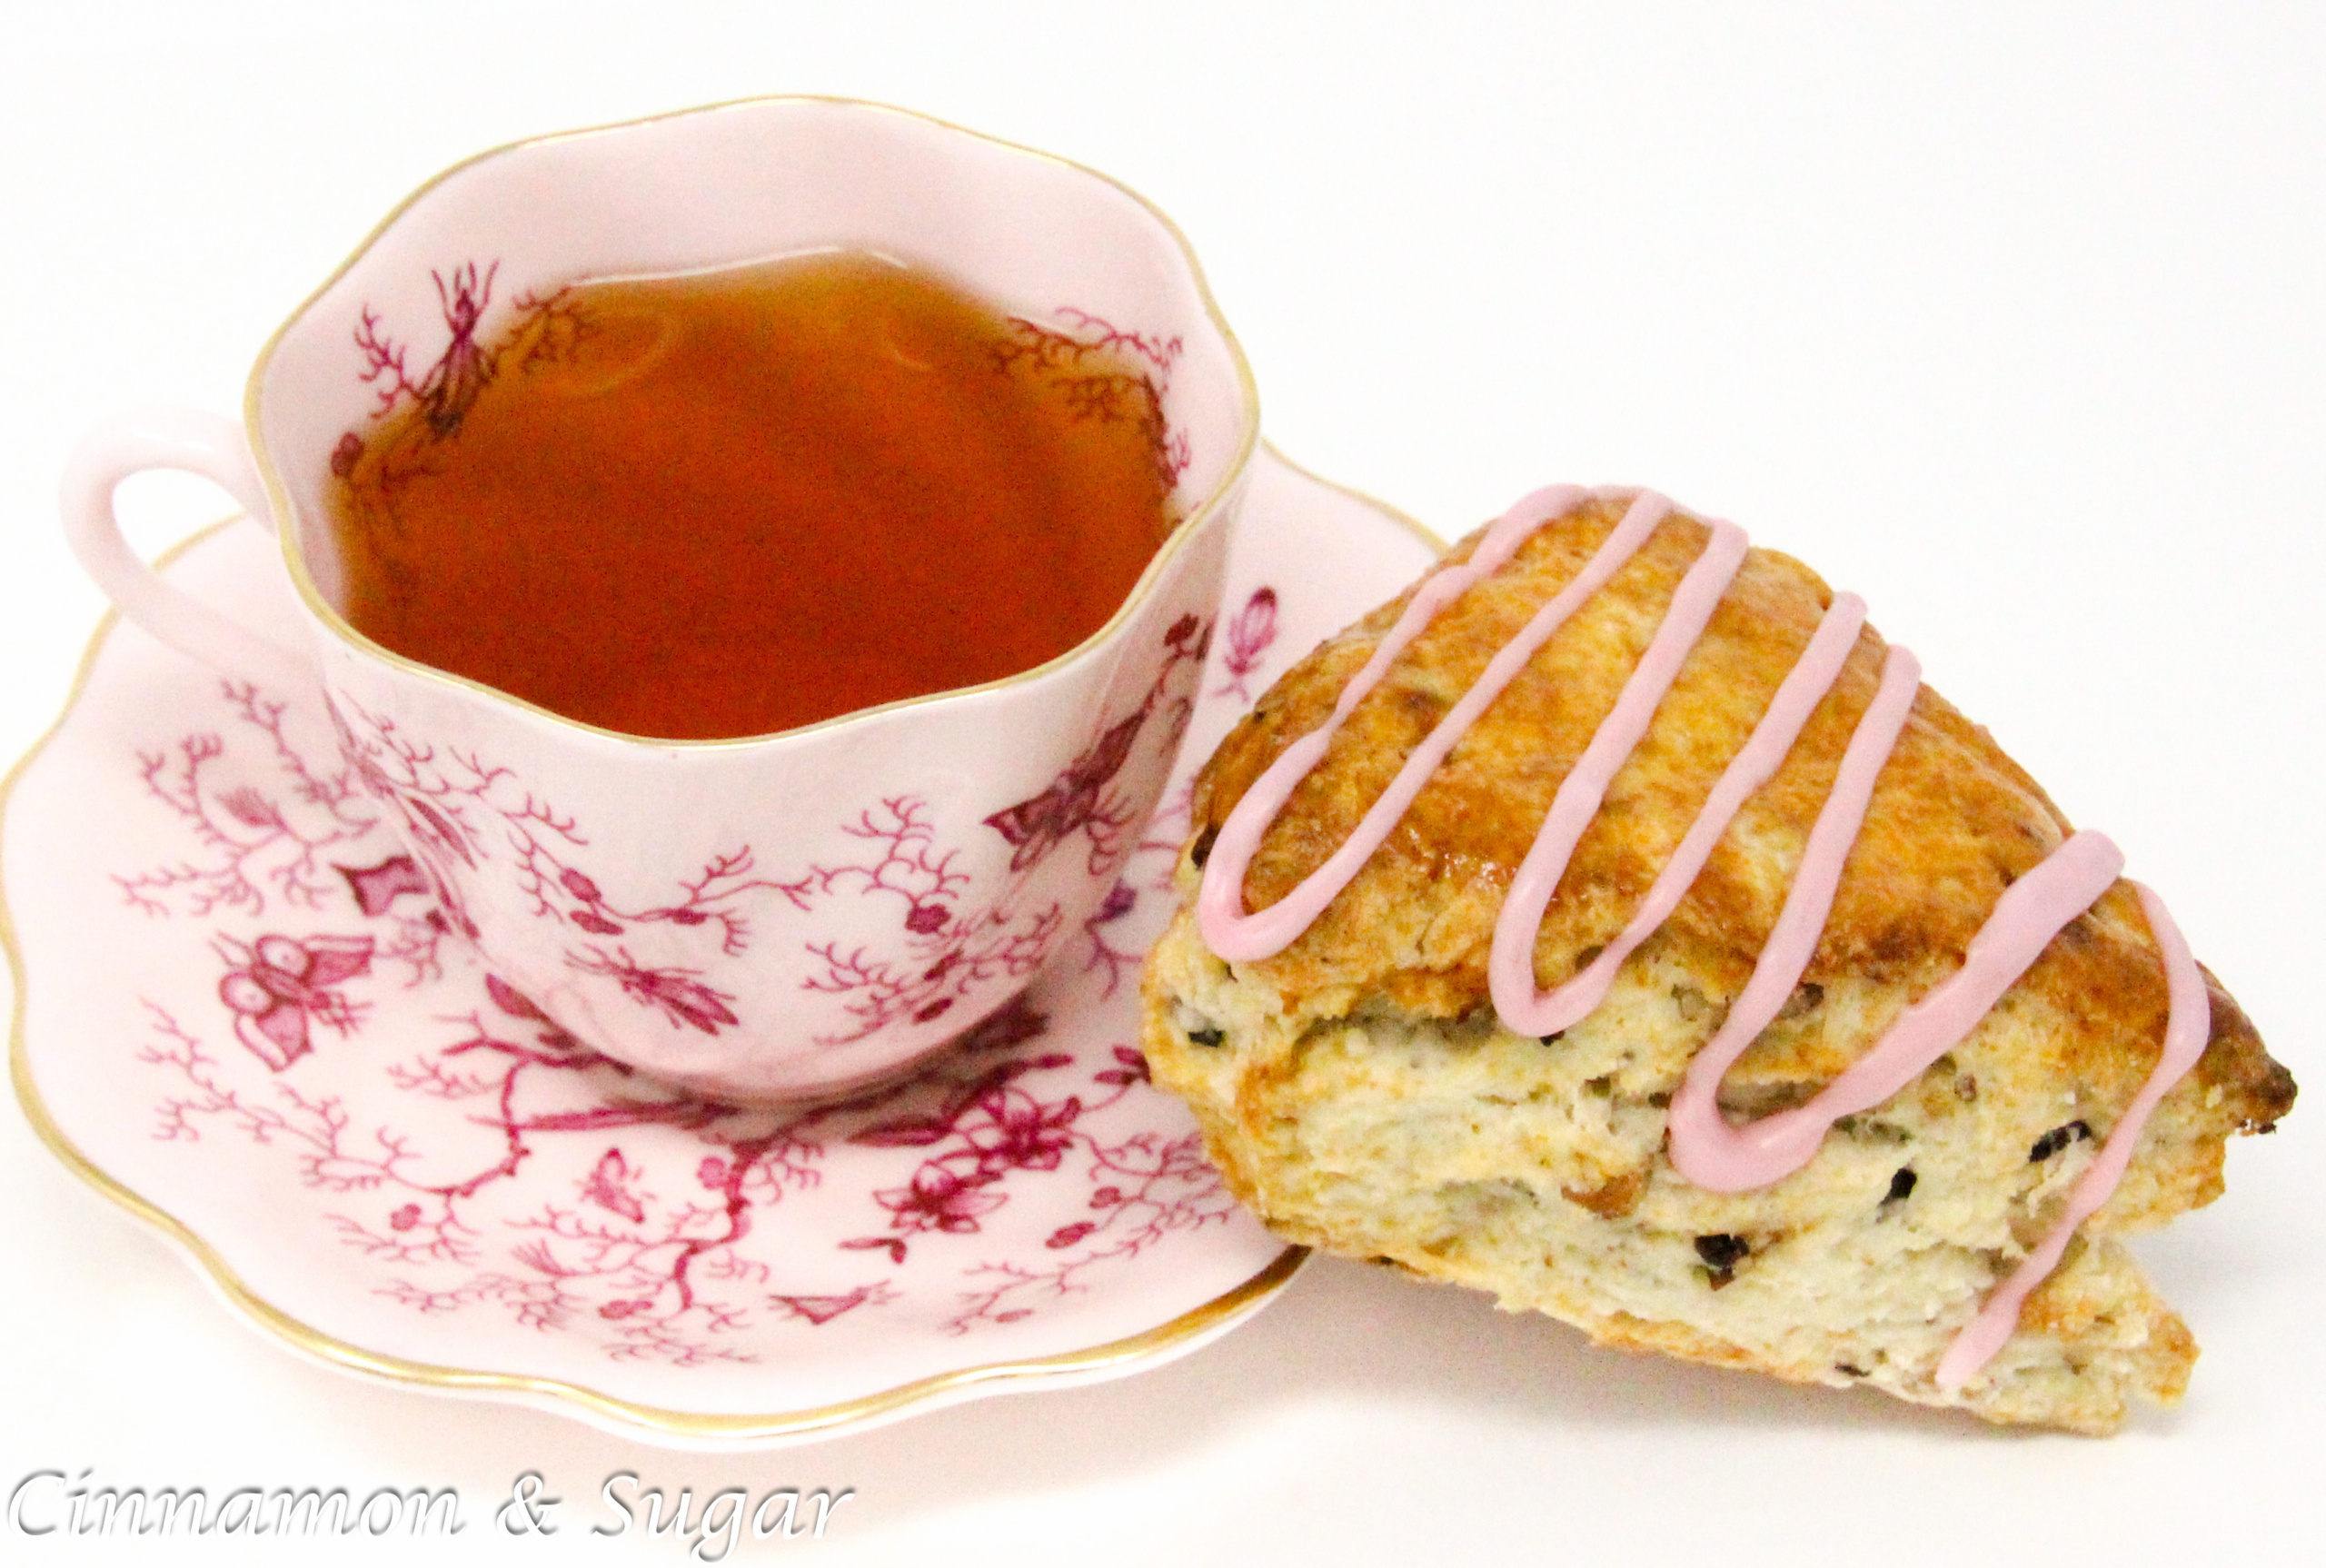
(1398, 964)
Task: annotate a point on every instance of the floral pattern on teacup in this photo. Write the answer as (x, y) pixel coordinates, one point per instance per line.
(478, 826)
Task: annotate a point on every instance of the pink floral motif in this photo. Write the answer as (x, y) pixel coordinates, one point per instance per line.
(1154, 1187)
(255, 832)
(950, 948)
(1105, 374)
(1130, 1069)
(282, 985)
(822, 1309)
(609, 1187)
(1072, 803)
(377, 888)
(1077, 800)
(991, 1128)
(454, 806)
(1120, 900)
(1157, 850)
(447, 390)
(1017, 1132)
(675, 992)
(551, 326)
(420, 922)
(938, 1199)
(1249, 637)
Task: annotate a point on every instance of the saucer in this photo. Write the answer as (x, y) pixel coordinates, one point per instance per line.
(240, 1016)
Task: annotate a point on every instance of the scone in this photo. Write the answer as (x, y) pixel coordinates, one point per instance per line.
(1815, 1039)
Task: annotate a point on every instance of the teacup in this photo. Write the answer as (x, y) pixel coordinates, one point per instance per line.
(787, 916)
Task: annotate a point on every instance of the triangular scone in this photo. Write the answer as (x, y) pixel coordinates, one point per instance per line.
(1362, 1096)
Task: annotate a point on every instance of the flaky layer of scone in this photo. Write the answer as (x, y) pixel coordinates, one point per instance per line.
(1361, 1096)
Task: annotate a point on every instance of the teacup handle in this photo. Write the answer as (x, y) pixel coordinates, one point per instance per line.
(194, 442)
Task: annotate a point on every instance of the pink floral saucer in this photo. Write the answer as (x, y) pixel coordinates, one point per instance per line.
(240, 1016)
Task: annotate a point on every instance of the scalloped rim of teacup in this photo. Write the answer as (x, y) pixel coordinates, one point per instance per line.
(1199, 517)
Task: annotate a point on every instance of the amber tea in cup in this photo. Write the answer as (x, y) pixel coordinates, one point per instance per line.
(735, 502)
(562, 433)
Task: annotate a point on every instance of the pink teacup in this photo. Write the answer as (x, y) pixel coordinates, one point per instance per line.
(787, 916)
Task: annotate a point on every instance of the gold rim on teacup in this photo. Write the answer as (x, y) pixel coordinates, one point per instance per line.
(279, 498)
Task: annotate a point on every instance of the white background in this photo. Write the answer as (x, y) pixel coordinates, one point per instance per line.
(2012, 318)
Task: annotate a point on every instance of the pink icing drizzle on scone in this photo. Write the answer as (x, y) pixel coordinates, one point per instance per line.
(1707, 1149)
